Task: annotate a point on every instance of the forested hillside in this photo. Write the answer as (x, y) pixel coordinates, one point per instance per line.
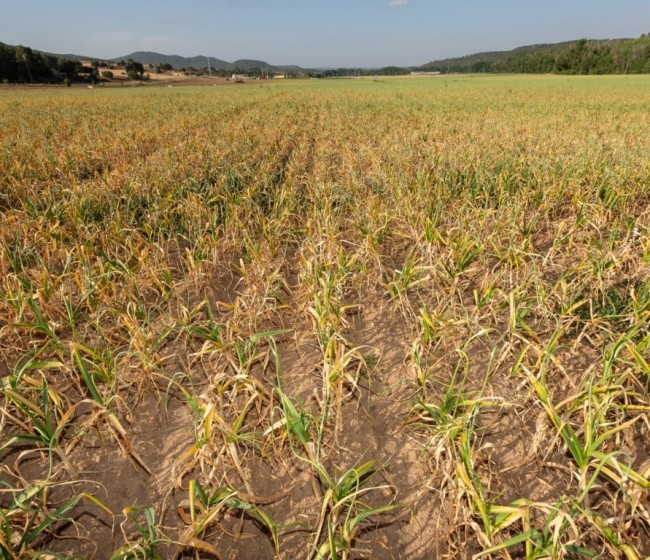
(24, 65)
(612, 56)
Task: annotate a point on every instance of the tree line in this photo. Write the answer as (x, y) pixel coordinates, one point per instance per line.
(616, 56)
(23, 65)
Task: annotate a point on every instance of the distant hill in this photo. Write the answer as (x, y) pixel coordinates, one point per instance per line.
(246, 64)
(584, 56)
(469, 60)
(290, 68)
(146, 57)
(75, 57)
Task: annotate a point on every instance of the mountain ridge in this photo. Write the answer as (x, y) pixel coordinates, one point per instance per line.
(200, 61)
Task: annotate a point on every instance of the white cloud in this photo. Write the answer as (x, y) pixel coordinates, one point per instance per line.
(398, 3)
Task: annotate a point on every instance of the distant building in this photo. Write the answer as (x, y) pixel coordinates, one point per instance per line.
(425, 73)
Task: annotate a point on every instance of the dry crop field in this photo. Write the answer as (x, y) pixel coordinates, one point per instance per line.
(326, 320)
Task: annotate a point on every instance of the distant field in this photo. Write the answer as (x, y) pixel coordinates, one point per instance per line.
(381, 318)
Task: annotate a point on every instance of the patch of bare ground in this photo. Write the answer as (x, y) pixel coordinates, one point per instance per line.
(159, 434)
(373, 429)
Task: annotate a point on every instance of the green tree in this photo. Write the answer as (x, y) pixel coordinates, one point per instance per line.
(69, 67)
(134, 70)
(8, 67)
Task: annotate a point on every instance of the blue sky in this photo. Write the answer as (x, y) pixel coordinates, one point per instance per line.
(313, 33)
